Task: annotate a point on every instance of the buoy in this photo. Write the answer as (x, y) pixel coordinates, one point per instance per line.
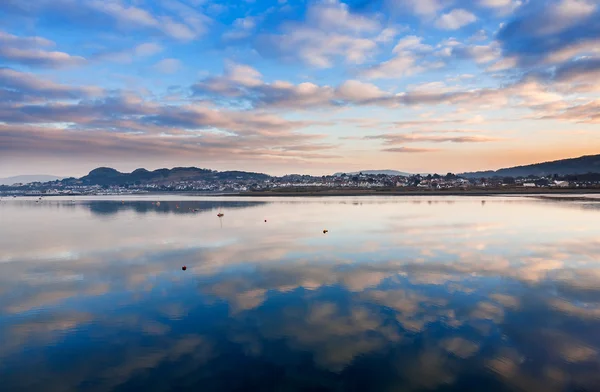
(265, 220)
(220, 214)
(325, 231)
(184, 268)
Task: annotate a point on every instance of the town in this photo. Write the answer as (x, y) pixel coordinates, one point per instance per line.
(358, 181)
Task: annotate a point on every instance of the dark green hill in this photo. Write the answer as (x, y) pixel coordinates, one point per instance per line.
(109, 176)
(581, 165)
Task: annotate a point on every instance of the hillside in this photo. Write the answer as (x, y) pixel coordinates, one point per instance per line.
(581, 165)
(26, 179)
(109, 176)
(376, 172)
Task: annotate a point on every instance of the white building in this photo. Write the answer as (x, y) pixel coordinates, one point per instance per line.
(561, 184)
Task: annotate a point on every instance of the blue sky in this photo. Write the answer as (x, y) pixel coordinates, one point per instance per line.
(296, 86)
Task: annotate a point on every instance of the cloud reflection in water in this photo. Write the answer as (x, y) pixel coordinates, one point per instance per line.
(402, 294)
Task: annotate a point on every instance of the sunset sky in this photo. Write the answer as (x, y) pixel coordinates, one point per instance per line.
(284, 86)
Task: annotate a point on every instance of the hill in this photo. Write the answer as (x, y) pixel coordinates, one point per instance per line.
(376, 172)
(110, 176)
(28, 179)
(581, 165)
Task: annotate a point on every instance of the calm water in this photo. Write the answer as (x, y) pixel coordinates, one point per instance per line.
(402, 294)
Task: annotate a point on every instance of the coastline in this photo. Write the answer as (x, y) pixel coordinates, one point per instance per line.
(449, 192)
(541, 192)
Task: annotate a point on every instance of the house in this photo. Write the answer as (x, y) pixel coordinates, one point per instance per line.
(561, 184)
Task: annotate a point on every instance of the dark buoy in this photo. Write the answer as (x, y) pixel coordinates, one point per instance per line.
(265, 220)
(184, 268)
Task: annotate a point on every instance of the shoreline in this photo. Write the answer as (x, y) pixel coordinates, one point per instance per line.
(349, 193)
(529, 192)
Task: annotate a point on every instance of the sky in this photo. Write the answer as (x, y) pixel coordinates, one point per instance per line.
(283, 86)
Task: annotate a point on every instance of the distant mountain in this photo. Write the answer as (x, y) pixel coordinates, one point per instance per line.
(375, 172)
(28, 178)
(110, 176)
(581, 165)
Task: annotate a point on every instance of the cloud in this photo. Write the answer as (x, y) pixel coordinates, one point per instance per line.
(495, 3)
(39, 58)
(243, 86)
(329, 31)
(408, 52)
(551, 32)
(244, 83)
(419, 7)
(27, 51)
(24, 42)
(357, 91)
(481, 54)
(29, 85)
(241, 28)
(168, 66)
(416, 138)
(147, 49)
(409, 149)
(502, 7)
(395, 68)
(585, 70)
(89, 120)
(24, 141)
(128, 16)
(126, 56)
(455, 19)
(172, 18)
(587, 113)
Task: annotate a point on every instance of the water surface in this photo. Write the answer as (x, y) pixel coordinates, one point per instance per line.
(402, 294)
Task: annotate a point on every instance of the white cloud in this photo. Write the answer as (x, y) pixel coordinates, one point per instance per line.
(333, 15)
(354, 90)
(412, 43)
(23, 42)
(387, 34)
(189, 25)
(419, 7)
(455, 19)
(241, 28)
(503, 64)
(29, 51)
(495, 3)
(42, 58)
(402, 65)
(168, 66)
(407, 52)
(147, 49)
(567, 13)
(242, 74)
(501, 7)
(329, 31)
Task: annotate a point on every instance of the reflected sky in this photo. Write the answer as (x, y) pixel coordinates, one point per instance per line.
(402, 294)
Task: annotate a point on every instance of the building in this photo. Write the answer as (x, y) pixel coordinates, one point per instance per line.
(561, 184)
